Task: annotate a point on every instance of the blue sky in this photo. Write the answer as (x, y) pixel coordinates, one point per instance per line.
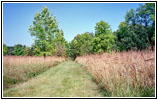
(73, 18)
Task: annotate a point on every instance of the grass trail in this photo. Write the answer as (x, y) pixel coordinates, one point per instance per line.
(68, 79)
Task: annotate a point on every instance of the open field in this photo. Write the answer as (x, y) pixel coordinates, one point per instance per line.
(97, 49)
(17, 69)
(67, 79)
(117, 74)
(123, 74)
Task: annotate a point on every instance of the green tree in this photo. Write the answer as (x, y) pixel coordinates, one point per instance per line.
(5, 49)
(131, 17)
(131, 37)
(136, 38)
(18, 50)
(27, 51)
(43, 29)
(146, 17)
(104, 43)
(74, 49)
(146, 14)
(102, 28)
(104, 40)
(59, 44)
(10, 50)
(138, 30)
(120, 34)
(81, 45)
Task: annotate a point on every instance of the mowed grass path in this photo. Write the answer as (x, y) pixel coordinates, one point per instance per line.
(67, 79)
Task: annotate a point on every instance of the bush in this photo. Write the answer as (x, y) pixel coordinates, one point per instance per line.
(45, 53)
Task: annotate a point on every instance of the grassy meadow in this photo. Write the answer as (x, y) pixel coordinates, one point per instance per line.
(99, 50)
(67, 79)
(122, 74)
(17, 69)
(116, 74)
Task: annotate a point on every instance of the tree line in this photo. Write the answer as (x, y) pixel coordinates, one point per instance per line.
(136, 32)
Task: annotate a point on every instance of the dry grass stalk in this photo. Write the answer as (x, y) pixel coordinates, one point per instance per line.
(122, 70)
(17, 69)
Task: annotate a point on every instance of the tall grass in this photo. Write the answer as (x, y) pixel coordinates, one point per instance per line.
(18, 69)
(123, 74)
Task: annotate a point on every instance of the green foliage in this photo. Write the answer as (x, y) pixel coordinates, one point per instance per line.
(45, 53)
(19, 50)
(138, 30)
(104, 43)
(10, 50)
(81, 45)
(120, 34)
(48, 38)
(130, 17)
(102, 28)
(104, 40)
(68, 50)
(85, 43)
(36, 50)
(5, 49)
(59, 44)
(27, 51)
(146, 14)
(74, 49)
(43, 29)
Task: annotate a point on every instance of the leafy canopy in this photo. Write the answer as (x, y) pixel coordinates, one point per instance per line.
(43, 29)
(18, 50)
(104, 40)
(5, 49)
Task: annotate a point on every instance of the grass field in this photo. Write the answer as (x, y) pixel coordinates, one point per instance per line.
(17, 69)
(126, 74)
(65, 80)
(117, 74)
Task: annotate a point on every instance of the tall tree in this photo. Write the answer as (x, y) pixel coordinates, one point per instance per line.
(104, 40)
(138, 30)
(120, 34)
(59, 43)
(43, 29)
(102, 28)
(131, 17)
(81, 45)
(146, 14)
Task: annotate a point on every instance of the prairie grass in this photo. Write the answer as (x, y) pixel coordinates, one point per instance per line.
(67, 79)
(123, 74)
(17, 69)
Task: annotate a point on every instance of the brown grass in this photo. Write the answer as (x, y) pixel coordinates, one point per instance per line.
(18, 69)
(123, 74)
